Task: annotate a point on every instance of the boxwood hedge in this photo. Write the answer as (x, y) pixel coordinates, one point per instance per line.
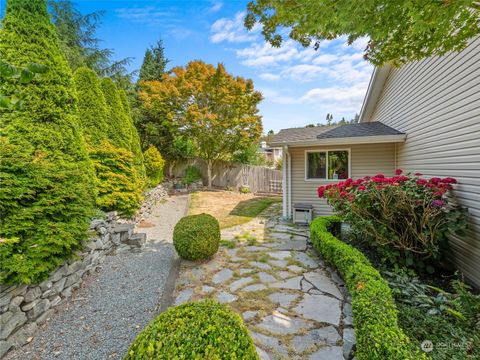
(197, 237)
(197, 330)
(375, 316)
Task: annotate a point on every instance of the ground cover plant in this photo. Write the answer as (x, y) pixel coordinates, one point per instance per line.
(197, 330)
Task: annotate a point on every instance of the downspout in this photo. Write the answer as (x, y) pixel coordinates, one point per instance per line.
(284, 186)
(289, 185)
(395, 157)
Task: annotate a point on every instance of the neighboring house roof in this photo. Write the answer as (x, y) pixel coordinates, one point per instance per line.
(374, 90)
(375, 128)
(338, 134)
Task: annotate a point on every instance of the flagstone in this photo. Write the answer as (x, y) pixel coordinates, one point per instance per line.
(320, 308)
(282, 324)
(313, 338)
(266, 278)
(292, 283)
(283, 299)
(237, 284)
(323, 283)
(222, 276)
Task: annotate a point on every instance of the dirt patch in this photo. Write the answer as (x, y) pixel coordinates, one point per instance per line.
(145, 224)
(230, 208)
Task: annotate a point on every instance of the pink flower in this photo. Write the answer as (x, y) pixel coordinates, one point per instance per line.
(438, 203)
(418, 174)
(321, 191)
(438, 193)
(343, 194)
(421, 182)
(362, 188)
(351, 197)
(435, 180)
(398, 172)
(379, 187)
(380, 176)
(449, 180)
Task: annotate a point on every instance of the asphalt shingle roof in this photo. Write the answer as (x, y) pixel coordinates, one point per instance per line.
(293, 135)
(375, 128)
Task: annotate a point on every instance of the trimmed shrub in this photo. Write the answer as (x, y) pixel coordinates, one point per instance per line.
(197, 237)
(192, 174)
(375, 316)
(197, 330)
(118, 183)
(154, 165)
(47, 181)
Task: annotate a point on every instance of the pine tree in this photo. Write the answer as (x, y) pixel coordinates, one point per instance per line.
(47, 191)
(154, 63)
(119, 128)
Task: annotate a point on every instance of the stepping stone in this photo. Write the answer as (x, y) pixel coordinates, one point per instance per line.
(320, 308)
(245, 271)
(328, 353)
(292, 283)
(280, 255)
(224, 297)
(260, 265)
(237, 284)
(283, 299)
(349, 342)
(237, 259)
(222, 276)
(306, 286)
(254, 248)
(262, 354)
(295, 268)
(284, 274)
(269, 342)
(247, 315)
(279, 263)
(254, 287)
(184, 296)
(300, 244)
(324, 336)
(323, 283)
(231, 252)
(266, 278)
(281, 324)
(207, 289)
(280, 236)
(306, 260)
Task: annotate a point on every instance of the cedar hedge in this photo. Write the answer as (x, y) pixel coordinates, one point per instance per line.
(47, 181)
(197, 330)
(197, 237)
(375, 316)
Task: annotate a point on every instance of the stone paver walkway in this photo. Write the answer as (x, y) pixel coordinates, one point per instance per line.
(294, 305)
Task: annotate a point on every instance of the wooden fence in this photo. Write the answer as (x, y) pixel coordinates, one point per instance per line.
(260, 179)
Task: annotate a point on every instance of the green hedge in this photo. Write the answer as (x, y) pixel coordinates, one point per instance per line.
(201, 330)
(375, 315)
(154, 165)
(197, 237)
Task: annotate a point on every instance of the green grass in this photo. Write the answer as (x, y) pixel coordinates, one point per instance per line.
(252, 207)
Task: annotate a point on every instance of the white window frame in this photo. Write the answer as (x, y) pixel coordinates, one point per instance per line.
(326, 151)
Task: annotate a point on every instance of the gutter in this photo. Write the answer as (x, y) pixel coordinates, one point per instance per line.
(400, 138)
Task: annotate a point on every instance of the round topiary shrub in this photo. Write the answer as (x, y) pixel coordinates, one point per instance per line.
(196, 237)
(197, 330)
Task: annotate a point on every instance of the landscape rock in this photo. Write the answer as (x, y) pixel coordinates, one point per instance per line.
(32, 294)
(9, 322)
(38, 309)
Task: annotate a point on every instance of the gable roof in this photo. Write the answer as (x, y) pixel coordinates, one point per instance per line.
(375, 87)
(375, 128)
(337, 134)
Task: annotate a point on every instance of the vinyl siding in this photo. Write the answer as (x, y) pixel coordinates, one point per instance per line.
(368, 159)
(437, 103)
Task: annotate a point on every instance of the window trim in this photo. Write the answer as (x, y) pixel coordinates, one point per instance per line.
(327, 151)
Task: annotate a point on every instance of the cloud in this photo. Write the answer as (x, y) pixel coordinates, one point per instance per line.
(232, 30)
(340, 99)
(216, 6)
(145, 14)
(269, 76)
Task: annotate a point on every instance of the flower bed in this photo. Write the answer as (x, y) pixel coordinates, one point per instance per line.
(375, 315)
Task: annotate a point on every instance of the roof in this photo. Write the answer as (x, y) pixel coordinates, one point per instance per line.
(286, 136)
(374, 90)
(338, 134)
(375, 128)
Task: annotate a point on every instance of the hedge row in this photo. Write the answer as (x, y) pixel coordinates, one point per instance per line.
(375, 316)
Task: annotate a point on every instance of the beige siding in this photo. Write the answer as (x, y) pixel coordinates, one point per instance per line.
(369, 159)
(437, 103)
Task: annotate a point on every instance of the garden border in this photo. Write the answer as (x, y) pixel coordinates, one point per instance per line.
(374, 312)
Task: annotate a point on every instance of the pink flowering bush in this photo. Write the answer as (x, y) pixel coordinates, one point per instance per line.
(405, 217)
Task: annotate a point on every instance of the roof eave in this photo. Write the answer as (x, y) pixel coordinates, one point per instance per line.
(377, 139)
(375, 86)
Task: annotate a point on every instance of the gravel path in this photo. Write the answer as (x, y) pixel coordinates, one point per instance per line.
(102, 318)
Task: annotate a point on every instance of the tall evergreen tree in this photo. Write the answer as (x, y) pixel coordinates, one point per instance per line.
(154, 63)
(92, 107)
(119, 128)
(47, 191)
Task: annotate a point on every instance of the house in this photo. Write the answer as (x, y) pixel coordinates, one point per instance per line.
(272, 154)
(422, 117)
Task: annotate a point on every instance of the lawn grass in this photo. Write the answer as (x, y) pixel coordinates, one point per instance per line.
(229, 208)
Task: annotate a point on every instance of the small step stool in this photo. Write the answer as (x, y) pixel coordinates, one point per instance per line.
(302, 213)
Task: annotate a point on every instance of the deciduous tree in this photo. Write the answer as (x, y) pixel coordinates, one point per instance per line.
(399, 31)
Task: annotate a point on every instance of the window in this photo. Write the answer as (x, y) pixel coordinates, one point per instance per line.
(327, 165)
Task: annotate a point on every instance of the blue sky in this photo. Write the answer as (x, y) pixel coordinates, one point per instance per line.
(300, 85)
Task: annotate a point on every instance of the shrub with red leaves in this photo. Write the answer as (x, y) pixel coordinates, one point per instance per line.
(405, 217)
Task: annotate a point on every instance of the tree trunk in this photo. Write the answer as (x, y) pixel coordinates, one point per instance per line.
(209, 173)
